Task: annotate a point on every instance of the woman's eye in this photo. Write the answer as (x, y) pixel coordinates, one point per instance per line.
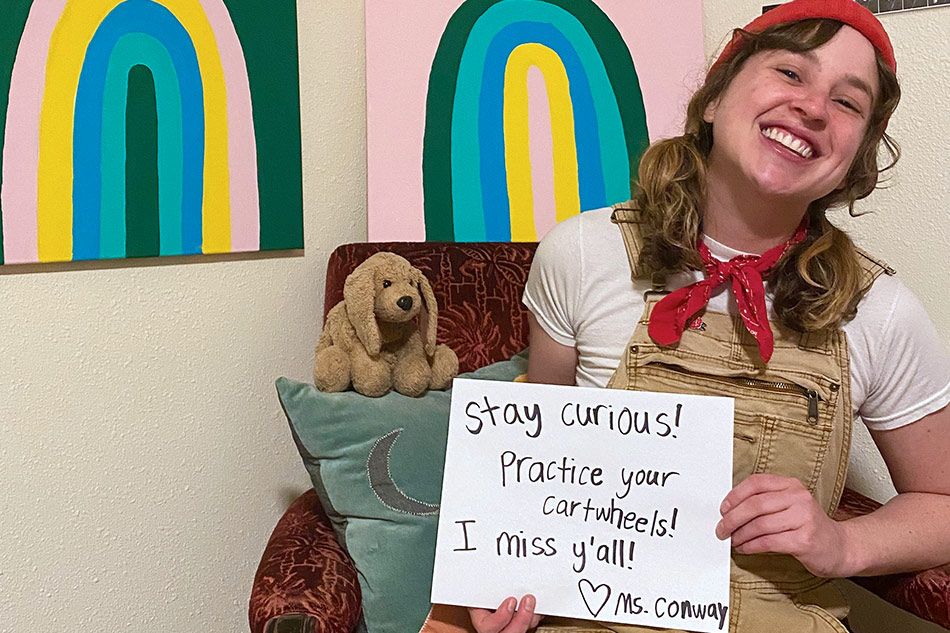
(387, 283)
(848, 105)
(791, 74)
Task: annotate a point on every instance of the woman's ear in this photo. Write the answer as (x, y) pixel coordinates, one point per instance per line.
(429, 315)
(709, 114)
(359, 295)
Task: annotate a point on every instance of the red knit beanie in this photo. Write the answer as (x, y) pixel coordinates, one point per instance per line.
(846, 11)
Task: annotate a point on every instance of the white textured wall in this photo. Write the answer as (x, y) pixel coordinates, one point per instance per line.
(909, 225)
(143, 455)
(144, 459)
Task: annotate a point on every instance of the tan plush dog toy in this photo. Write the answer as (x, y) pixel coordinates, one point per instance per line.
(382, 335)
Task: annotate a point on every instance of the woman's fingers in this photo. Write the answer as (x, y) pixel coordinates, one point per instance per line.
(758, 499)
(752, 508)
(486, 621)
(754, 485)
(784, 521)
(506, 619)
(523, 617)
(778, 543)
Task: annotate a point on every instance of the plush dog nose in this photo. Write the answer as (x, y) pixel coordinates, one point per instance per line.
(405, 303)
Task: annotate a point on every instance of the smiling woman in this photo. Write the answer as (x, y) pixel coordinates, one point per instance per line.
(742, 288)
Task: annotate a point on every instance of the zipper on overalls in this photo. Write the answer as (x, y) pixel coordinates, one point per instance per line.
(811, 396)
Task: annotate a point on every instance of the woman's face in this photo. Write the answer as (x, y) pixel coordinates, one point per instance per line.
(790, 124)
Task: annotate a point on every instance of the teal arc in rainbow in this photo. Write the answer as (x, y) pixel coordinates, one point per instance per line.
(466, 197)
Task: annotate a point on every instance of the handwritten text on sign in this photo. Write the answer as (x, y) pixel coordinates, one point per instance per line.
(600, 502)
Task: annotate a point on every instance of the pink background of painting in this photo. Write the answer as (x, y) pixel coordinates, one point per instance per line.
(401, 41)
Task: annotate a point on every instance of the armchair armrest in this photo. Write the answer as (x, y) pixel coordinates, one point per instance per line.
(926, 593)
(305, 582)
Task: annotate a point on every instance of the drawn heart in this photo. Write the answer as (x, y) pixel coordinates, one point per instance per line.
(592, 595)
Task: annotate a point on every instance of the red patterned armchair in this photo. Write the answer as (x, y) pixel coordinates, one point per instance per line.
(306, 583)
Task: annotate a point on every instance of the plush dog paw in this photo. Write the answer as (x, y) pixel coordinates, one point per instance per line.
(372, 378)
(331, 370)
(445, 367)
(412, 379)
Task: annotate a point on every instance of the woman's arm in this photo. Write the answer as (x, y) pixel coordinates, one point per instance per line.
(549, 361)
(912, 530)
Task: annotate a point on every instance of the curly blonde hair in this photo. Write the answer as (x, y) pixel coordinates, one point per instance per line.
(818, 284)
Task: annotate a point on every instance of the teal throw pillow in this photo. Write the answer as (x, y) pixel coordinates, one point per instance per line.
(376, 464)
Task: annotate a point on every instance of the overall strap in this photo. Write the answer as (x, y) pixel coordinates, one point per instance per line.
(873, 268)
(629, 220)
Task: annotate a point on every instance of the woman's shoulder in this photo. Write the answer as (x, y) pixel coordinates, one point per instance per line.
(586, 223)
(885, 293)
(900, 368)
(577, 236)
(583, 257)
(891, 322)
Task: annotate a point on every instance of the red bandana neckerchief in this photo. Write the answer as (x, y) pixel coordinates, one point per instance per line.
(672, 314)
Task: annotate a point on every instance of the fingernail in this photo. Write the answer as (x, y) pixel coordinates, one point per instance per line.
(719, 530)
(510, 604)
(527, 603)
(725, 506)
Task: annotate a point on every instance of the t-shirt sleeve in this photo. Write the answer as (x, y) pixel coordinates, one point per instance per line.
(555, 280)
(910, 367)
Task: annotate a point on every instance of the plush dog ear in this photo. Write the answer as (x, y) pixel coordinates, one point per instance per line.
(429, 315)
(359, 295)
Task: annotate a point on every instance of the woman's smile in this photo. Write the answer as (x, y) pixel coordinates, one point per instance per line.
(793, 142)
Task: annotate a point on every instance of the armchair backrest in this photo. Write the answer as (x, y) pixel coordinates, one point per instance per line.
(478, 287)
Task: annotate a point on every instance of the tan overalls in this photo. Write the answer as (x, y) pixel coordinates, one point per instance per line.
(792, 418)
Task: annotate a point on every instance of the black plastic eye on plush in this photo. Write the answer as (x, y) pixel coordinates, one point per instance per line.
(387, 283)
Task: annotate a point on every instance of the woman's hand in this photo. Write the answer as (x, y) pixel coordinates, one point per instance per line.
(771, 513)
(506, 619)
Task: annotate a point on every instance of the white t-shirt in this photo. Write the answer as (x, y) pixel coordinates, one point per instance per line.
(580, 291)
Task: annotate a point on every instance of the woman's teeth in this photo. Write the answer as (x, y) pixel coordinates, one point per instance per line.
(793, 143)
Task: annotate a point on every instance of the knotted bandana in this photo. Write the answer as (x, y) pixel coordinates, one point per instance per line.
(671, 315)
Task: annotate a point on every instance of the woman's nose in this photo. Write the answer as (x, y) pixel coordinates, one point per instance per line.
(812, 106)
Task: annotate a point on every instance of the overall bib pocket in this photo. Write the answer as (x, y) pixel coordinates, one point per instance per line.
(782, 422)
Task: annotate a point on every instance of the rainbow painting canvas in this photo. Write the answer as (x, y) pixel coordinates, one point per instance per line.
(145, 128)
(492, 120)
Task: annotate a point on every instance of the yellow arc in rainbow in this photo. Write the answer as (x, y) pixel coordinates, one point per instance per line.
(517, 141)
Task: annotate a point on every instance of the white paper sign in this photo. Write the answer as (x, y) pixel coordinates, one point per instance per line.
(601, 502)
